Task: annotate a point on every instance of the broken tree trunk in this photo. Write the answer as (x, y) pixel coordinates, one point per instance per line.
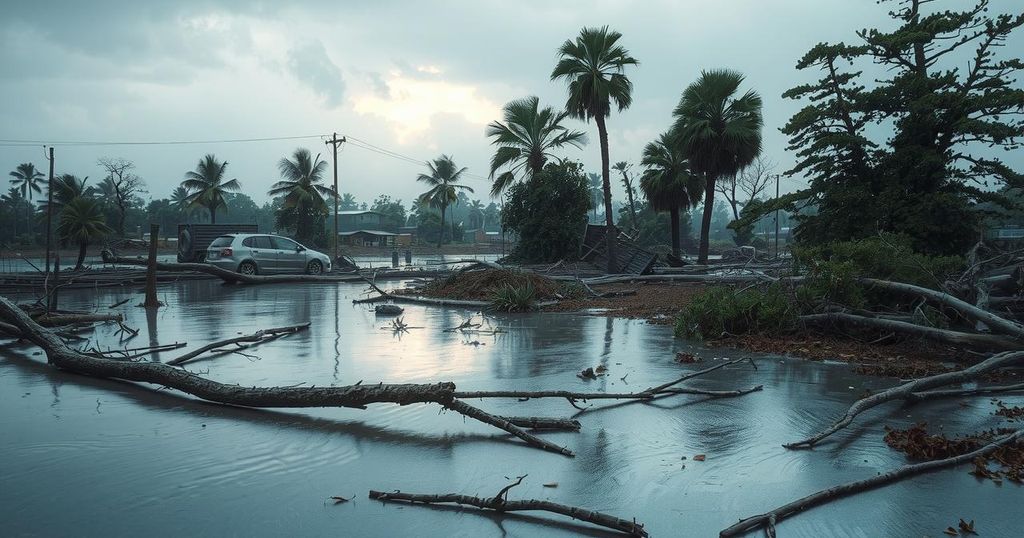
(904, 391)
(768, 520)
(988, 342)
(499, 503)
(57, 320)
(151, 300)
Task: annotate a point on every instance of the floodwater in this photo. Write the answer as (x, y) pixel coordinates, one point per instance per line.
(12, 262)
(89, 457)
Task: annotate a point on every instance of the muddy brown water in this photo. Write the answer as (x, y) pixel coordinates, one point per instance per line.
(88, 457)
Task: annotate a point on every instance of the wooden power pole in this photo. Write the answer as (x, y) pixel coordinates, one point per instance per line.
(49, 212)
(335, 142)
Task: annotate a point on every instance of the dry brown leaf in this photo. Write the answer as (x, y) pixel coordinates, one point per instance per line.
(699, 457)
(951, 531)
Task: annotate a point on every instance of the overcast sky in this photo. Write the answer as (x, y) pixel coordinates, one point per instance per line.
(417, 78)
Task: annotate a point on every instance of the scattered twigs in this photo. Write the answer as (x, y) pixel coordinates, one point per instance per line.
(768, 520)
(255, 337)
(500, 503)
(900, 392)
(713, 393)
(504, 424)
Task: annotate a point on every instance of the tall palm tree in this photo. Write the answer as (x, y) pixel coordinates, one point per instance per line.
(13, 199)
(720, 133)
(525, 140)
(593, 66)
(27, 179)
(83, 222)
(596, 192)
(476, 214)
(180, 203)
(443, 182)
(667, 182)
(627, 183)
(207, 186)
(348, 202)
(302, 192)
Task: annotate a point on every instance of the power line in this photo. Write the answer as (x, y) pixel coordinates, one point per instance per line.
(15, 143)
(359, 143)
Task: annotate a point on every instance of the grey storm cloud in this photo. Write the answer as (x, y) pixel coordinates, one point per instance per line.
(310, 64)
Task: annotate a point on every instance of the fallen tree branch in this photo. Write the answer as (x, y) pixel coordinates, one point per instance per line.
(500, 422)
(767, 520)
(990, 342)
(1000, 360)
(499, 503)
(955, 393)
(996, 323)
(57, 320)
(255, 337)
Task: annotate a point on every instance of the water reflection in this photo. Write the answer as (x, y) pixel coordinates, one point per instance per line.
(222, 465)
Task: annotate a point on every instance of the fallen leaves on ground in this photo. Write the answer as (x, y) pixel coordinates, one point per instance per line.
(918, 444)
(686, 358)
(700, 457)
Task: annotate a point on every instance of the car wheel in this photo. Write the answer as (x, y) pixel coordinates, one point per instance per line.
(315, 267)
(247, 268)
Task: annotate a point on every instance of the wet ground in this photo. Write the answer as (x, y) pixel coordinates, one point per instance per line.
(84, 457)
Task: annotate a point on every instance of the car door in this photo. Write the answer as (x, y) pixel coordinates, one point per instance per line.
(289, 258)
(263, 252)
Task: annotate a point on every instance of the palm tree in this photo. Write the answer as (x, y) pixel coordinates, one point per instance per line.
(67, 187)
(719, 132)
(667, 182)
(180, 203)
(27, 180)
(525, 140)
(443, 181)
(627, 183)
(13, 199)
(82, 221)
(476, 214)
(348, 202)
(596, 193)
(207, 187)
(302, 192)
(593, 66)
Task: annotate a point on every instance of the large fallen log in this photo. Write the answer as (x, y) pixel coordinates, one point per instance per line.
(768, 520)
(988, 342)
(906, 390)
(500, 503)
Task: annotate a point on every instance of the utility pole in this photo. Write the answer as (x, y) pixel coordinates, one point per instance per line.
(777, 216)
(49, 212)
(335, 142)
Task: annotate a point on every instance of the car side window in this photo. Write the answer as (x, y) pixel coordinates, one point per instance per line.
(262, 241)
(282, 243)
(249, 242)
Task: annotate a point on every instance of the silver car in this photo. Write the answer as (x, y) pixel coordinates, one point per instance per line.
(261, 254)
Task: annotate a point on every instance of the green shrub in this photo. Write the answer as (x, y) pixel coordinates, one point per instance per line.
(509, 298)
(832, 269)
(721, 310)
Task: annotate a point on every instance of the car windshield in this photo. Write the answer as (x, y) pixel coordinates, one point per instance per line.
(222, 241)
(282, 243)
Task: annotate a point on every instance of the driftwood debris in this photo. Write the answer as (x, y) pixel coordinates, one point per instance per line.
(500, 503)
(258, 336)
(907, 391)
(988, 342)
(768, 520)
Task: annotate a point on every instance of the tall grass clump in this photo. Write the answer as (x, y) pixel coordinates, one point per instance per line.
(722, 310)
